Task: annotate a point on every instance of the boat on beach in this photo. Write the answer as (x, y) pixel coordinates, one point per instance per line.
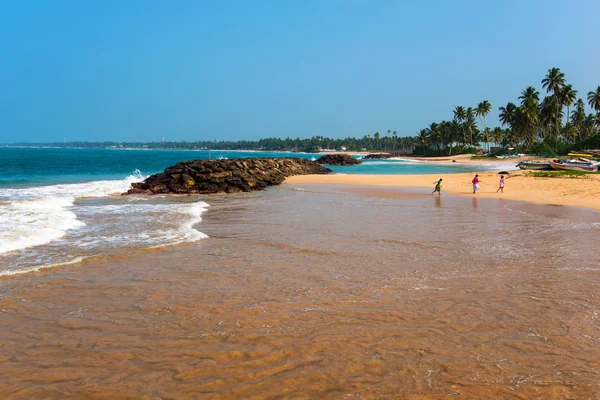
(573, 166)
(534, 165)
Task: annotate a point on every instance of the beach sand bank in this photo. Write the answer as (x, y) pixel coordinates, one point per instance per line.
(331, 294)
(581, 191)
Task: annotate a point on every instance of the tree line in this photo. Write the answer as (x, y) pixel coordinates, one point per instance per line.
(553, 122)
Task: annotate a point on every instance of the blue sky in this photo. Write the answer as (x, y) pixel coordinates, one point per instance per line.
(139, 70)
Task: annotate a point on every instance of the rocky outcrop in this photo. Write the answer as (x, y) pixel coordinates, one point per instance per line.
(377, 156)
(225, 176)
(338, 159)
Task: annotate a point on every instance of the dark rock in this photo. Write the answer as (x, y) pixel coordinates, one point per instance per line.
(338, 159)
(377, 156)
(503, 173)
(225, 176)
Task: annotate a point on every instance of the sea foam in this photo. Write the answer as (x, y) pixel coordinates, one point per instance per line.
(46, 226)
(38, 215)
(27, 223)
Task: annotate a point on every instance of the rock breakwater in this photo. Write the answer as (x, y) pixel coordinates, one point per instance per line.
(225, 176)
(338, 159)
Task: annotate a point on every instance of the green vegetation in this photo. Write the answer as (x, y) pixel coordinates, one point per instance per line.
(535, 125)
(560, 174)
(400, 145)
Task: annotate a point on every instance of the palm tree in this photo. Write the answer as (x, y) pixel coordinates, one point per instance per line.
(554, 82)
(459, 116)
(377, 136)
(395, 138)
(483, 109)
(388, 133)
(588, 125)
(594, 100)
(568, 97)
(510, 115)
(470, 120)
(498, 135)
(446, 135)
(530, 110)
(507, 114)
(528, 96)
(578, 116)
(423, 139)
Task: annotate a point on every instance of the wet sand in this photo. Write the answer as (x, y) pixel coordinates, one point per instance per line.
(583, 191)
(337, 292)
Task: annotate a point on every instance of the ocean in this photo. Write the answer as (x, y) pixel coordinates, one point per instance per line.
(61, 206)
(299, 291)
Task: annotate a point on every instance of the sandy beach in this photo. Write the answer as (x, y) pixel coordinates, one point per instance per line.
(581, 191)
(321, 295)
(357, 286)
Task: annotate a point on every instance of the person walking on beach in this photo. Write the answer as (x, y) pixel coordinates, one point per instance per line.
(501, 187)
(438, 187)
(475, 183)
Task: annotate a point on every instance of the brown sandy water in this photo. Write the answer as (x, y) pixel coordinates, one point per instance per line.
(326, 293)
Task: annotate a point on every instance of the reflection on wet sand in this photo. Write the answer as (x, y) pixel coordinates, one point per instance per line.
(322, 295)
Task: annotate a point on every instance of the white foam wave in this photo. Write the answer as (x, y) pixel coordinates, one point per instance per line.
(38, 215)
(111, 229)
(27, 223)
(75, 190)
(40, 267)
(140, 225)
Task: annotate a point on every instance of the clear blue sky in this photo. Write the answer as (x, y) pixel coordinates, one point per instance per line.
(138, 70)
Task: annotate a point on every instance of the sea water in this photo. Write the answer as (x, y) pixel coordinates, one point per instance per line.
(60, 206)
(320, 292)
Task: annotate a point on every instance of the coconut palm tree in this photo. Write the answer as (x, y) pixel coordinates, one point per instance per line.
(530, 110)
(578, 116)
(507, 114)
(554, 82)
(528, 96)
(511, 115)
(388, 133)
(395, 138)
(483, 109)
(594, 100)
(433, 133)
(550, 113)
(567, 98)
(423, 139)
(499, 136)
(470, 121)
(588, 126)
(459, 116)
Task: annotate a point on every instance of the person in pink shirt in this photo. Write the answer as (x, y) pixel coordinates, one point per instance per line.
(475, 183)
(501, 187)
